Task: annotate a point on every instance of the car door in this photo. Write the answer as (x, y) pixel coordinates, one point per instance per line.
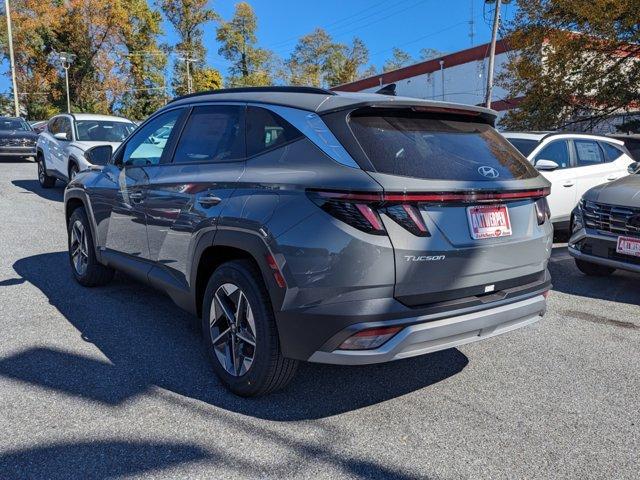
(563, 183)
(186, 196)
(619, 159)
(55, 146)
(592, 167)
(129, 175)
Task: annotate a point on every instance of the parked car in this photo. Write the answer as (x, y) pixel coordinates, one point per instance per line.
(631, 141)
(62, 145)
(303, 224)
(605, 228)
(38, 126)
(573, 163)
(17, 140)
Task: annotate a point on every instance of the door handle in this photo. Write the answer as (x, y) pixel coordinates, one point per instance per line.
(209, 200)
(136, 197)
(568, 183)
(611, 178)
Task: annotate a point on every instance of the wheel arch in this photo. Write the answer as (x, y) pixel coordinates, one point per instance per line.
(231, 245)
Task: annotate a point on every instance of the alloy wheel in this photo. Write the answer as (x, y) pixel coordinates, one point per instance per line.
(40, 171)
(232, 328)
(79, 248)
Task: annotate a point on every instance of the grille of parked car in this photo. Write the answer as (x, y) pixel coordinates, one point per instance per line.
(612, 219)
(17, 142)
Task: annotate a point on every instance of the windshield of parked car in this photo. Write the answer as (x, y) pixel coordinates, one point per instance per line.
(103, 130)
(524, 145)
(14, 124)
(436, 147)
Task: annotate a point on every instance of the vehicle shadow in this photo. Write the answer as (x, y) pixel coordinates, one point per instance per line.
(150, 342)
(96, 459)
(55, 194)
(620, 287)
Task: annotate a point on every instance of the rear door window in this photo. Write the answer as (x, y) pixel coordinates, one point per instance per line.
(212, 134)
(424, 145)
(588, 153)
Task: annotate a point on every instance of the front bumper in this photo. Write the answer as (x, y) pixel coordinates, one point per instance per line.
(442, 334)
(18, 151)
(593, 247)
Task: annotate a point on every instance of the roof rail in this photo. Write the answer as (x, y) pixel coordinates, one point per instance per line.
(320, 91)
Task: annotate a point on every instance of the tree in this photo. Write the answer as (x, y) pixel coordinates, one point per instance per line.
(308, 62)
(146, 87)
(560, 76)
(399, 59)
(250, 65)
(429, 54)
(188, 18)
(344, 63)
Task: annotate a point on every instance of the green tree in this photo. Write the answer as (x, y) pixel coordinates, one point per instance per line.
(146, 88)
(345, 62)
(562, 76)
(309, 60)
(188, 18)
(399, 58)
(250, 65)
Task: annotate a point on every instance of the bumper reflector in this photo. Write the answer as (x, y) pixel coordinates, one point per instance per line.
(368, 339)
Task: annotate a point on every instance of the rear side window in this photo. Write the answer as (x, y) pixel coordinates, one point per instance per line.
(212, 134)
(611, 151)
(588, 153)
(266, 131)
(420, 145)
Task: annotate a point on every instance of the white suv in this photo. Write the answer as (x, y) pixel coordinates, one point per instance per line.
(61, 146)
(573, 163)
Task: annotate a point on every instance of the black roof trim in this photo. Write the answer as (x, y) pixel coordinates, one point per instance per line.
(319, 91)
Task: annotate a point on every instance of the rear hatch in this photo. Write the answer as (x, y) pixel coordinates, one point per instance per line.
(464, 210)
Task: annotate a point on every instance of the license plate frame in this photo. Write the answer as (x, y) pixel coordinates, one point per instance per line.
(623, 246)
(483, 225)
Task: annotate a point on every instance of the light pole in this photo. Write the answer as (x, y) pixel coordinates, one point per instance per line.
(492, 52)
(16, 104)
(66, 59)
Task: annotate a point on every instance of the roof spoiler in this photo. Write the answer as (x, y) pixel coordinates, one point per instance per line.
(388, 90)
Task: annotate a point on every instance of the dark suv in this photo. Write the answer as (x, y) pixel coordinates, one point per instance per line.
(304, 224)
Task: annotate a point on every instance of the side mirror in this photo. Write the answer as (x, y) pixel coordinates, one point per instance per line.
(546, 165)
(60, 136)
(634, 168)
(99, 155)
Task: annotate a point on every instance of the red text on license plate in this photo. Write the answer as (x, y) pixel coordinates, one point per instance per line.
(628, 246)
(489, 221)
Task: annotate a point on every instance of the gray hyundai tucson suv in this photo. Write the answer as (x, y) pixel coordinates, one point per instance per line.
(305, 224)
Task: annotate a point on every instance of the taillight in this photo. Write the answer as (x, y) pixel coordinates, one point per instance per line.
(362, 210)
(368, 339)
(543, 213)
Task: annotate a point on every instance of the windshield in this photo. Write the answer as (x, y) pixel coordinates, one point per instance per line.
(430, 146)
(14, 124)
(103, 130)
(524, 146)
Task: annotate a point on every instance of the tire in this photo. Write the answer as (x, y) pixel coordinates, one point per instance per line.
(593, 269)
(45, 180)
(82, 256)
(260, 368)
(73, 170)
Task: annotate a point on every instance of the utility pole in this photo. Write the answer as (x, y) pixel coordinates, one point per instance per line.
(492, 52)
(188, 60)
(66, 59)
(12, 61)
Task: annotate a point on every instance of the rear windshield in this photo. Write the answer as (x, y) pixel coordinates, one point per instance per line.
(425, 146)
(524, 145)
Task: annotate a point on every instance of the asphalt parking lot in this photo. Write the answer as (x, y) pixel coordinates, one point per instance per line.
(112, 382)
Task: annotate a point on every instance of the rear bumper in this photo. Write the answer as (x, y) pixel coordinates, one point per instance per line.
(432, 336)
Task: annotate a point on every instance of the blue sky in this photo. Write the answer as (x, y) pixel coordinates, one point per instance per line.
(382, 24)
